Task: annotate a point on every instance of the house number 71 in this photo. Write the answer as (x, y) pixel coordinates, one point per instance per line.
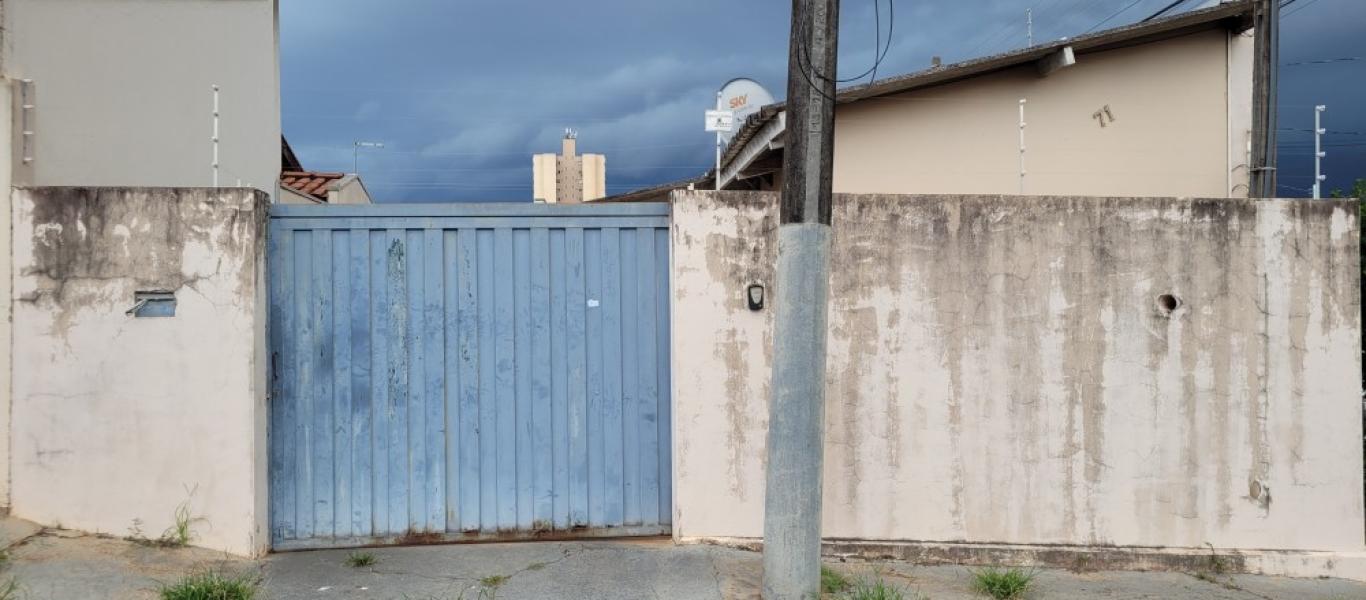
(1104, 116)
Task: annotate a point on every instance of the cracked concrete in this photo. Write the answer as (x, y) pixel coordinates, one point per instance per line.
(58, 565)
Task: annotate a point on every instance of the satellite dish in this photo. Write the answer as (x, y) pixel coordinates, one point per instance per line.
(744, 97)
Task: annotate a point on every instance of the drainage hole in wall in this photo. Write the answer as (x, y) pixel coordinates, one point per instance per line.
(1168, 303)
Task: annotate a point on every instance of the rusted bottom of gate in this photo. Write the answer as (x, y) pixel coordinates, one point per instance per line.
(414, 538)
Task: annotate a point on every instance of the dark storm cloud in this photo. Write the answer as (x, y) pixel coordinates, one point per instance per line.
(462, 93)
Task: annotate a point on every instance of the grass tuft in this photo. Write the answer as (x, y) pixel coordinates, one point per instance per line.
(493, 581)
(180, 534)
(357, 560)
(875, 588)
(210, 585)
(1003, 584)
(10, 590)
(832, 581)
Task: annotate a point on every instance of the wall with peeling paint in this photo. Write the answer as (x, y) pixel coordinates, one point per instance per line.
(118, 420)
(1003, 369)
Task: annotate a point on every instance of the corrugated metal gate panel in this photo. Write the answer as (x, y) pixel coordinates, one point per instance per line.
(462, 372)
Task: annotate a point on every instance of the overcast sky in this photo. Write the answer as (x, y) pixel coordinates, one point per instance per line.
(463, 93)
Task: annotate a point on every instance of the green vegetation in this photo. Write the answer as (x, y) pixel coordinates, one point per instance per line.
(180, 534)
(832, 581)
(210, 585)
(875, 588)
(1003, 584)
(9, 589)
(1358, 191)
(493, 581)
(357, 560)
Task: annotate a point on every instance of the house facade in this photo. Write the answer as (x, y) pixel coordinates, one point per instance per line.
(1153, 109)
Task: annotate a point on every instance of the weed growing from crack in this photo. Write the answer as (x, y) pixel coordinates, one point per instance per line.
(210, 585)
(179, 534)
(536, 566)
(357, 560)
(493, 581)
(1003, 584)
(10, 590)
(1217, 564)
(832, 581)
(876, 588)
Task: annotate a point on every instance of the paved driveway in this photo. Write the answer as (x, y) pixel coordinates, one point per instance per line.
(52, 565)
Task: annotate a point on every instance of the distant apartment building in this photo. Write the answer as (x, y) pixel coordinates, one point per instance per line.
(568, 177)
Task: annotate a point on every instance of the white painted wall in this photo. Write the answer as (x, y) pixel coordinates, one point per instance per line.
(117, 419)
(6, 316)
(1000, 371)
(123, 90)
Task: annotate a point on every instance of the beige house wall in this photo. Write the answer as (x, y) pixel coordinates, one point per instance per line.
(123, 90)
(348, 190)
(1002, 370)
(1180, 108)
(119, 420)
(290, 196)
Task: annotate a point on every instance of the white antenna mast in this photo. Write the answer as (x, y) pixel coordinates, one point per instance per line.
(1319, 154)
(1022, 146)
(215, 135)
(1029, 25)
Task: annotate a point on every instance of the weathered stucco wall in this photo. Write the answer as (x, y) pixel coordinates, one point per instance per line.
(1004, 369)
(118, 420)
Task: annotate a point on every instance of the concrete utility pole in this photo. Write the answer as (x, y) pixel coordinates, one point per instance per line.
(1266, 21)
(796, 422)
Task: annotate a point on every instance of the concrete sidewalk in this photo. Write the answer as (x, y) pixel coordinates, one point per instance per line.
(64, 565)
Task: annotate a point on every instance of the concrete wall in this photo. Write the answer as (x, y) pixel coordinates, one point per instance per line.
(118, 420)
(1180, 107)
(1002, 369)
(6, 155)
(123, 90)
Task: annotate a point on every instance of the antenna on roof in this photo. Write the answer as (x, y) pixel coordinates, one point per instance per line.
(1029, 25)
(570, 134)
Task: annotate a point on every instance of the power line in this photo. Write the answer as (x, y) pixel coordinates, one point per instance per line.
(1116, 14)
(1330, 131)
(1307, 4)
(1166, 8)
(1326, 61)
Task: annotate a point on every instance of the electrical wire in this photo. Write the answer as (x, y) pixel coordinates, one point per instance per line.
(1330, 131)
(1307, 4)
(1115, 14)
(880, 52)
(1165, 9)
(1326, 61)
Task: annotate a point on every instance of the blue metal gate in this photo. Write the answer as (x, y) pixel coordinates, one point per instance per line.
(468, 372)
